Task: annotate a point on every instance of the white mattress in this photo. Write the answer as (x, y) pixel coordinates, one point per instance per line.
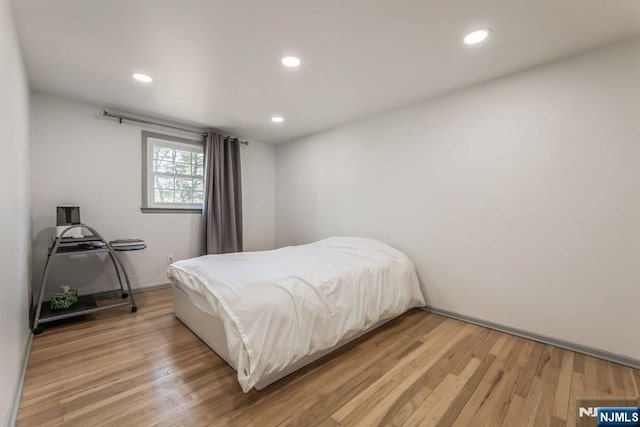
(197, 299)
(281, 306)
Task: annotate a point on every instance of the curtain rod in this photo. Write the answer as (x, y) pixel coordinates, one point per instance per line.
(122, 118)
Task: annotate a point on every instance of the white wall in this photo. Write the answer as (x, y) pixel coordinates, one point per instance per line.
(258, 196)
(79, 157)
(15, 227)
(518, 200)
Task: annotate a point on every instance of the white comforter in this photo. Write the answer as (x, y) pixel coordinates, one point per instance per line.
(282, 305)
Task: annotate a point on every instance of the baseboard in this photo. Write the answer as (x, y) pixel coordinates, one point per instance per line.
(153, 287)
(13, 408)
(116, 292)
(567, 345)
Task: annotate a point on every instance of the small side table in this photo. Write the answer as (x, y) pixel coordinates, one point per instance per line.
(65, 246)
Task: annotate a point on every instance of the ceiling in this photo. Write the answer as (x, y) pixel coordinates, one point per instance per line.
(216, 63)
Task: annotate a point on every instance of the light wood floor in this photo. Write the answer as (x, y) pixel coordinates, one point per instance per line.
(147, 368)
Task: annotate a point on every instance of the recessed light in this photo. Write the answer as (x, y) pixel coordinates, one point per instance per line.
(277, 119)
(476, 36)
(291, 61)
(144, 78)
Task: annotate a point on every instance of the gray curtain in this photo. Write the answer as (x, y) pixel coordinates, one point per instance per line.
(223, 195)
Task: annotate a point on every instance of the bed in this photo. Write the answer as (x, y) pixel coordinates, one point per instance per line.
(269, 313)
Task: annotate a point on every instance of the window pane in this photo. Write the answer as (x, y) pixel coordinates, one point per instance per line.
(183, 156)
(198, 185)
(162, 153)
(164, 182)
(183, 196)
(165, 167)
(198, 163)
(184, 184)
(197, 197)
(183, 168)
(163, 196)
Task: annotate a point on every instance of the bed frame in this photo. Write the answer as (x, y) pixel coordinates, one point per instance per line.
(210, 329)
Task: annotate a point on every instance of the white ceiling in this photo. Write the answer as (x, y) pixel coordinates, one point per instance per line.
(217, 62)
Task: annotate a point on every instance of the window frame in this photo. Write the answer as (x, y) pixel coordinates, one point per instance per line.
(148, 203)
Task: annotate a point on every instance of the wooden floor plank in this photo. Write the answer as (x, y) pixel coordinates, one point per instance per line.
(435, 406)
(532, 403)
(631, 390)
(577, 392)
(459, 401)
(424, 360)
(563, 389)
(147, 368)
(513, 417)
(550, 374)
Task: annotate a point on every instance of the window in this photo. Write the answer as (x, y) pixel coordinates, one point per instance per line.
(172, 174)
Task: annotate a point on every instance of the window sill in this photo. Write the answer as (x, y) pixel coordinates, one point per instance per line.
(172, 210)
